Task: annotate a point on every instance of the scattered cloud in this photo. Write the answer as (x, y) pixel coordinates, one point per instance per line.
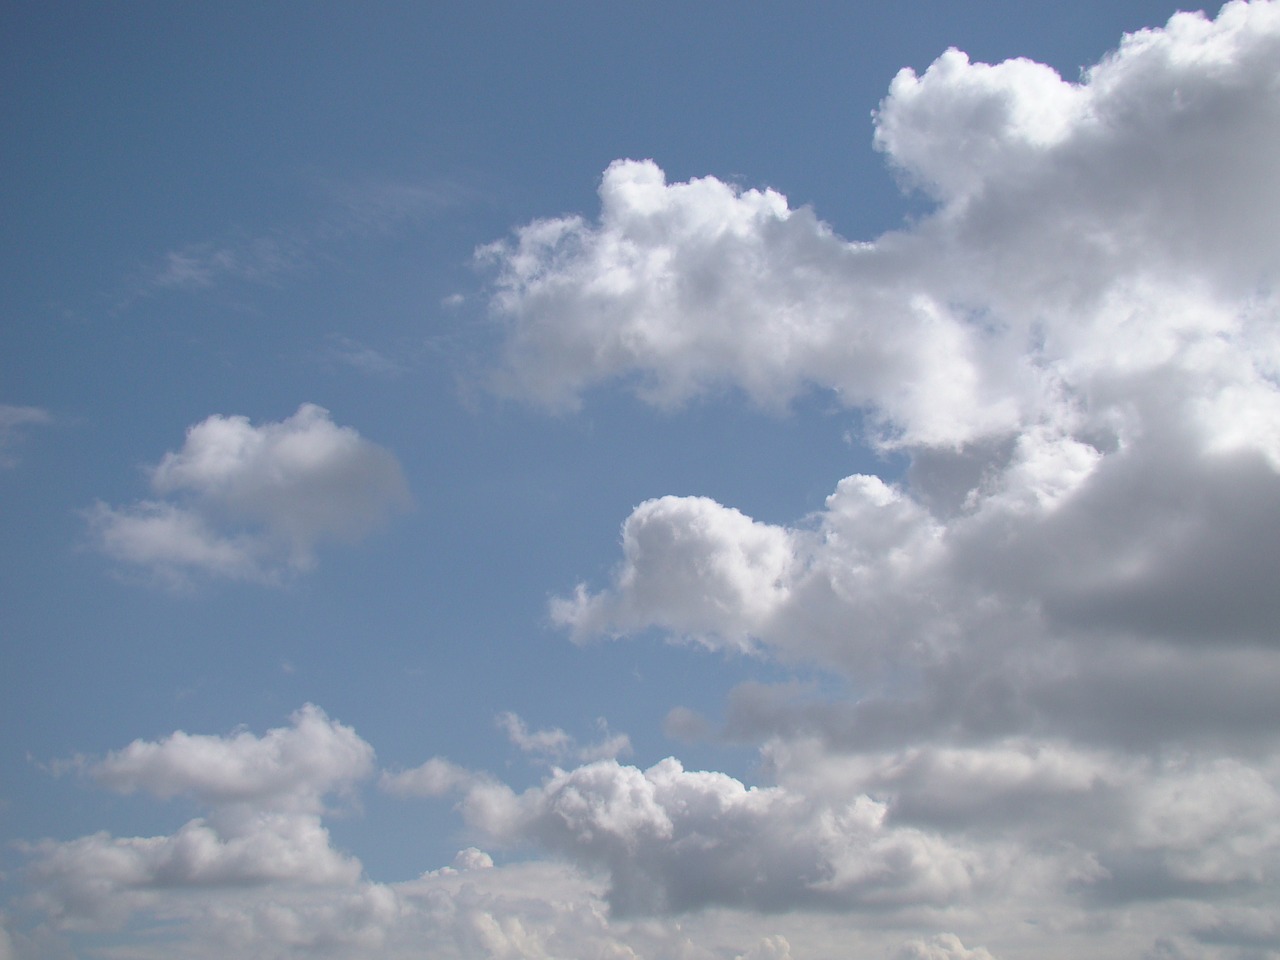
(1054, 636)
(1058, 627)
(362, 358)
(258, 876)
(13, 422)
(206, 264)
(263, 798)
(253, 502)
(350, 211)
(554, 745)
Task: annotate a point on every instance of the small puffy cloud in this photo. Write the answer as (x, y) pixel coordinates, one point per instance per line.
(694, 567)
(291, 767)
(13, 421)
(100, 879)
(555, 745)
(263, 797)
(437, 777)
(254, 502)
(945, 946)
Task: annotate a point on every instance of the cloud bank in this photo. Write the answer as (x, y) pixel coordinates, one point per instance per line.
(1056, 631)
(1058, 627)
(253, 502)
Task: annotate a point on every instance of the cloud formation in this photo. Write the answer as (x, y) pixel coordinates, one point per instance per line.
(1076, 352)
(254, 502)
(1058, 626)
(1054, 633)
(13, 420)
(263, 798)
(1085, 232)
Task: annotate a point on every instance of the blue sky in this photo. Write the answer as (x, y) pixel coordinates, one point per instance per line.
(653, 481)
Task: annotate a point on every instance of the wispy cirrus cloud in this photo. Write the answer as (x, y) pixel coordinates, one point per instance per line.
(14, 421)
(346, 213)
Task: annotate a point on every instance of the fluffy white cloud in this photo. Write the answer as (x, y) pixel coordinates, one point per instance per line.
(674, 840)
(264, 797)
(1077, 352)
(289, 767)
(253, 502)
(1087, 235)
(847, 847)
(1059, 625)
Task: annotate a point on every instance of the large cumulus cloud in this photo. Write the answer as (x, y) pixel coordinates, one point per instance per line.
(1059, 625)
(1076, 351)
(1056, 631)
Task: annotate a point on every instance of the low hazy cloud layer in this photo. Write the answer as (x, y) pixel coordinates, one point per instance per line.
(253, 502)
(1061, 623)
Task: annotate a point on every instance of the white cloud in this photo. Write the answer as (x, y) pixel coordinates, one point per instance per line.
(253, 502)
(845, 847)
(1079, 358)
(290, 767)
(13, 420)
(554, 745)
(945, 946)
(770, 948)
(1059, 626)
(437, 777)
(1087, 234)
(674, 841)
(264, 800)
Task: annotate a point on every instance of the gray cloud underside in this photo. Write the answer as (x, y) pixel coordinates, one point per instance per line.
(1058, 630)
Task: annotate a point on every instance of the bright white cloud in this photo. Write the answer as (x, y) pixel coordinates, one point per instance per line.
(290, 767)
(1087, 235)
(1061, 621)
(1080, 361)
(253, 502)
(1058, 628)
